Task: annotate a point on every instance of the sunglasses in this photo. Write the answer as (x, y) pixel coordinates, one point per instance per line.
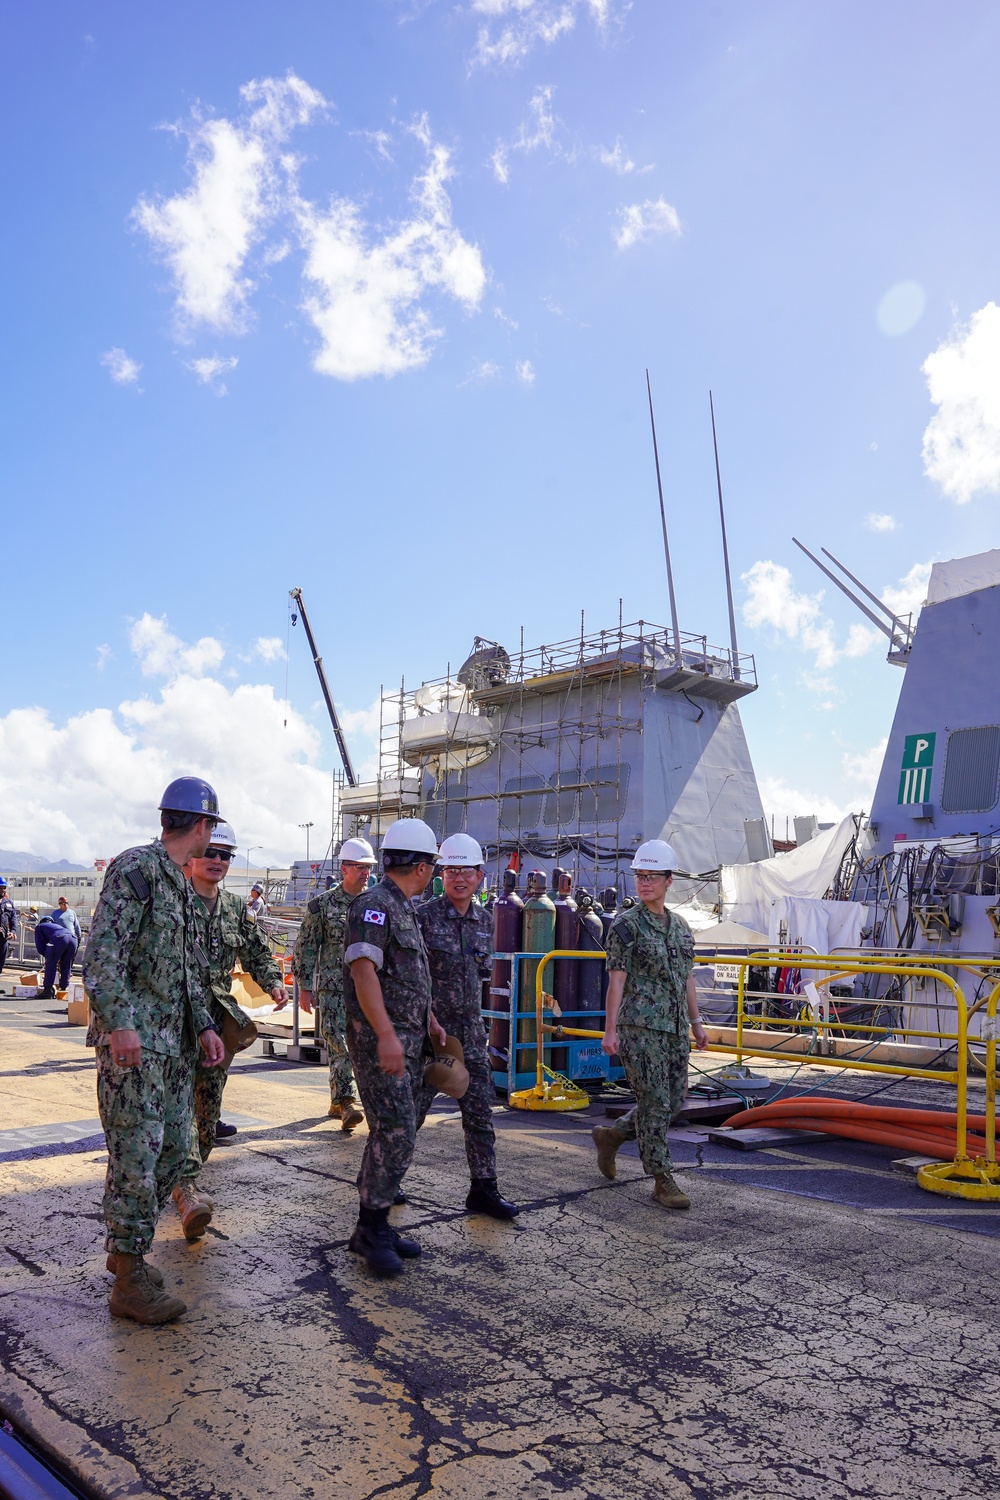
(224, 854)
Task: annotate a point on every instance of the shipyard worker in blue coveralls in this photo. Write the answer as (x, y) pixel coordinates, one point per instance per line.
(8, 921)
(458, 936)
(387, 994)
(651, 1003)
(146, 976)
(56, 944)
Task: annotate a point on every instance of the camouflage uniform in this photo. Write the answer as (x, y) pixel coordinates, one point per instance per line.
(382, 926)
(144, 973)
(318, 965)
(653, 1037)
(226, 934)
(460, 953)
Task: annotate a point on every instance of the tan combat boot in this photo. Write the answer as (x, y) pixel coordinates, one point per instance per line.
(667, 1193)
(135, 1296)
(350, 1114)
(607, 1142)
(153, 1272)
(194, 1208)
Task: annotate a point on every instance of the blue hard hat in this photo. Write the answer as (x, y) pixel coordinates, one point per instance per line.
(189, 794)
(3, 882)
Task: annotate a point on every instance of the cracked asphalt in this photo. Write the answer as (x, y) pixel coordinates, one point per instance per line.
(815, 1326)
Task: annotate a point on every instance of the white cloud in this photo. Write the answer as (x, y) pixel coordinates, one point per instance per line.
(104, 653)
(861, 639)
(907, 595)
(876, 522)
(269, 647)
(772, 600)
(160, 653)
(89, 787)
(618, 160)
(122, 369)
(514, 28)
(645, 221)
(537, 131)
(863, 767)
(525, 372)
(367, 289)
(206, 234)
(486, 370)
(498, 312)
(782, 801)
(961, 448)
(210, 368)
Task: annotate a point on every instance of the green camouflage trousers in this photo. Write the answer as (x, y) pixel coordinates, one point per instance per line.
(146, 1115)
(332, 1023)
(656, 1066)
(390, 1106)
(207, 1104)
(476, 1105)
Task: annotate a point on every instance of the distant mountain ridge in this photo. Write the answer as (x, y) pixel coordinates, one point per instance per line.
(16, 862)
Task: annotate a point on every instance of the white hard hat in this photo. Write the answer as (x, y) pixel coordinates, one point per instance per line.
(410, 836)
(359, 850)
(461, 849)
(655, 854)
(223, 837)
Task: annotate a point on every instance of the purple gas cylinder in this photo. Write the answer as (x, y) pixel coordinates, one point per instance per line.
(508, 910)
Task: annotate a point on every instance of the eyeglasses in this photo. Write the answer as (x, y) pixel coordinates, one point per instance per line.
(224, 854)
(350, 864)
(642, 875)
(472, 871)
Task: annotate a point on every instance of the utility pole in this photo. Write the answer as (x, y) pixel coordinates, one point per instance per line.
(307, 827)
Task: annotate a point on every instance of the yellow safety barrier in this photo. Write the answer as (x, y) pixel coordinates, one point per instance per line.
(551, 1091)
(965, 1177)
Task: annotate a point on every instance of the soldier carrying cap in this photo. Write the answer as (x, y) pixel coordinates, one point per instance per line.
(226, 933)
(144, 974)
(651, 1003)
(387, 990)
(458, 936)
(318, 965)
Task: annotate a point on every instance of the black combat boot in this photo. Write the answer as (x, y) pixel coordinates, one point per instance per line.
(376, 1242)
(484, 1198)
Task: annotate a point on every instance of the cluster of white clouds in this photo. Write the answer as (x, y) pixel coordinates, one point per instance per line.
(122, 369)
(773, 600)
(638, 222)
(510, 30)
(88, 787)
(880, 523)
(242, 212)
(784, 801)
(488, 370)
(961, 448)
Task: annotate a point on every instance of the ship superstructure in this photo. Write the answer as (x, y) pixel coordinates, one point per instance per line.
(574, 753)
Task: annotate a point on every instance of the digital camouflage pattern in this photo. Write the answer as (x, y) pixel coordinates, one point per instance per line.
(657, 956)
(227, 935)
(460, 955)
(656, 1066)
(382, 926)
(391, 1106)
(318, 965)
(146, 1115)
(144, 970)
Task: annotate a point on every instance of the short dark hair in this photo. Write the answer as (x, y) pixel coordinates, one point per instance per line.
(404, 859)
(177, 822)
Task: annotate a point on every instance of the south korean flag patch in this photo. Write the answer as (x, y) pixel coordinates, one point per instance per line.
(378, 917)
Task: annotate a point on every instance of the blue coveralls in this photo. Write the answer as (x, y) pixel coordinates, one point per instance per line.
(57, 945)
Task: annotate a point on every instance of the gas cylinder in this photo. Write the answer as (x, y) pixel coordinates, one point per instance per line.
(507, 912)
(609, 901)
(590, 994)
(566, 979)
(539, 936)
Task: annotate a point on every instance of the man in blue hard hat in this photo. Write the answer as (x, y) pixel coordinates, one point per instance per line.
(146, 976)
(8, 921)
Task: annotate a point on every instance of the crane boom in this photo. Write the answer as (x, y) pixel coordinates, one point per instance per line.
(331, 709)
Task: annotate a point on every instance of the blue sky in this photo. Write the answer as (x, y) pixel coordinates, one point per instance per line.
(360, 298)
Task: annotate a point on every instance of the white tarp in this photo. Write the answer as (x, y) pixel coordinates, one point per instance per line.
(963, 575)
(822, 926)
(750, 891)
(731, 935)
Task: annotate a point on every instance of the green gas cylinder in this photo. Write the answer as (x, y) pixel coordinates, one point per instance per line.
(538, 936)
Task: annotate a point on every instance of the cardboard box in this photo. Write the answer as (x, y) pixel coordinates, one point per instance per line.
(78, 1012)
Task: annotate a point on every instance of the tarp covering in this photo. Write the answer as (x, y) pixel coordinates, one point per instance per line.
(963, 575)
(822, 926)
(731, 935)
(749, 891)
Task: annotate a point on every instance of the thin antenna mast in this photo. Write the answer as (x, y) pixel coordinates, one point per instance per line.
(725, 549)
(663, 523)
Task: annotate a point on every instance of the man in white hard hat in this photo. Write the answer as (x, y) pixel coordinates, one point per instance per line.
(318, 965)
(226, 933)
(458, 936)
(651, 1005)
(387, 992)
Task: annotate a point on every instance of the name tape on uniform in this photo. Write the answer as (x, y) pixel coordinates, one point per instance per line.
(378, 917)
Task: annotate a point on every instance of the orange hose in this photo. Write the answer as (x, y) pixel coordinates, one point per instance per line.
(847, 1110)
(930, 1132)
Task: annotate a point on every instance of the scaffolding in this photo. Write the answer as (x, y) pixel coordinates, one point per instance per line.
(532, 752)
